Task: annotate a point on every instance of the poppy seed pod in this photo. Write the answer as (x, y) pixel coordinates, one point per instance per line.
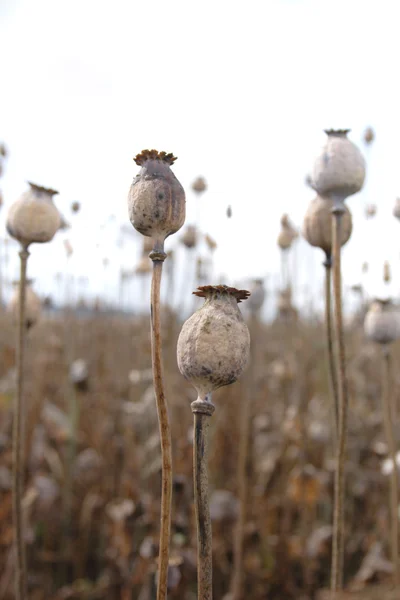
(386, 272)
(199, 185)
(156, 201)
(189, 238)
(382, 322)
(396, 209)
(317, 225)
(33, 305)
(285, 239)
(34, 218)
(257, 296)
(369, 135)
(339, 170)
(370, 211)
(214, 343)
(75, 207)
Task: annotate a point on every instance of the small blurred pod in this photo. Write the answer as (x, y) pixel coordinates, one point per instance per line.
(382, 322)
(33, 305)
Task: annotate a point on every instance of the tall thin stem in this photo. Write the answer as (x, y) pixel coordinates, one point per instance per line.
(338, 517)
(202, 410)
(18, 441)
(158, 256)
(394, 479)
(329, 350)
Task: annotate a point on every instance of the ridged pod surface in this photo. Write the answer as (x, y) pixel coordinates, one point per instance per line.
(34, 218)
(382, 322)
(156, 200)
(214, 343)
(339, 170)
(317, 225)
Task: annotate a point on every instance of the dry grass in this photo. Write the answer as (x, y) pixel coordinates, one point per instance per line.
(110, 549)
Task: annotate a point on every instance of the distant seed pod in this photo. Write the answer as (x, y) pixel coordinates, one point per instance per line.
(382, 322)
(317, 225)
(75, 207)
(365, 267)
(144, 266)
(285, 239)
(369, 135)
(189, 238)
(339, 170)
(396, 209)
(386, 272)
(68, 248)
(156, 201)
(214, 344)
(211, 243)
(34, 218)
(199, 185)
(229, 212)
(257, 297)
(79, 374)
(370, 211)
(33, 305)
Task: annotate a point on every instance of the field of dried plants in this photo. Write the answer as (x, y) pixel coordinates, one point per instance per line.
(293, 474)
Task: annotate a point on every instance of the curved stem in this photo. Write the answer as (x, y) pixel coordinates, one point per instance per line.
(394, 479)
(202, 410)
(158, 256)
(18, 441)
(330, 353)
(338, 517)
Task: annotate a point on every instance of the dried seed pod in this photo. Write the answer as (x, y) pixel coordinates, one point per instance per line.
(199, 185)
(382, 322)
(396, 209)
(229, 212)
(34, 218)
(386, 272)
(339, 170)
(285, 239)
(317, 225)
(257, 296)
(75, 207)
(214, 344)
(364, 267)
(370, 211)
(79, 374)
(189, 238)
(156, 201)
(369, 135)
(144, 266)
(211, 243)
(33, 305)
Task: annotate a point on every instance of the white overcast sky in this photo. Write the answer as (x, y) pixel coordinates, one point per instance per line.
(239, 91)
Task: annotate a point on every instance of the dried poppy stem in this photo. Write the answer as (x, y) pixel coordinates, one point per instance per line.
(18, 441)
(339, 496)
(394, 479)
(202, 410)
(329, 348)
(158, 256)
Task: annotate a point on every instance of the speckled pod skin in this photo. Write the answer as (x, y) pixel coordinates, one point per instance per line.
(34, 218)
(317, 225)
(339, 170)
(382, 322)
(156, 200)
(214, 343)
(33, 306)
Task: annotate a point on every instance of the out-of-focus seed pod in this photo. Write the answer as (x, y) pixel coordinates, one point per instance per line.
(75, 207)
(189, 238)
(34, 218)
(382, 322)
(369, 135)
(199, 185)
(68, 248)
(229, 212)
(285, 239)
(144, 266)
(339, 170)
(33, 305)
(79, 374)
(211, 243)
(257, 297)
(370, 211)
(396, 209)
(214, 343)
(156, 201)
(365, 267)
(317, 225)
(386, 272)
